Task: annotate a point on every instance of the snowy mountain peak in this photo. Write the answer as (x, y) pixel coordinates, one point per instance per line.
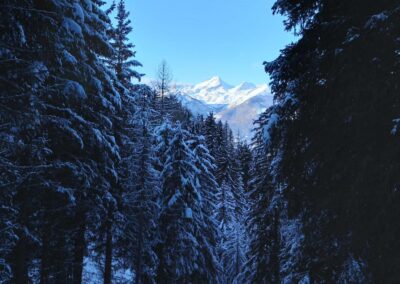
(245, 86)
(263, 88)
(213, 83)
(239, 105)
(215, 78)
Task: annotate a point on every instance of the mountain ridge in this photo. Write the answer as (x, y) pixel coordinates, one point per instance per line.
(238, 105)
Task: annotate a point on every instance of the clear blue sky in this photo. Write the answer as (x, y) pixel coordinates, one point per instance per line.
(203, 38)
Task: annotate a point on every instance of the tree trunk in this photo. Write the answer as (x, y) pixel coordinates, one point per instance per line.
(44, 262)
(20, 267)
(20, 252)
(109, 249)
(59, 258)
(139, 268)
(276, 247)
(79, 248)
(162, 101)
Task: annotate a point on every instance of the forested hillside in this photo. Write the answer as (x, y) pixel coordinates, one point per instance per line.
(104, 179)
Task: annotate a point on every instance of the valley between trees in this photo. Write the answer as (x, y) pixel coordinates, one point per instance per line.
(104, 179)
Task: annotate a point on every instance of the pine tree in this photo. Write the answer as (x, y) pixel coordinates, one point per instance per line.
(122, 61)
(334, 124)
(66, 148)
(231, 209)
(179, 196)
(209, 233)
(265, 208)
(163, 83)
(142, 191)
(186, 254)
(209, 132)
(21, 80)
(226, 219)
(245, 158)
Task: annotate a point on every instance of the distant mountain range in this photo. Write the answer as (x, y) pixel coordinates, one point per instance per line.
(238, 105)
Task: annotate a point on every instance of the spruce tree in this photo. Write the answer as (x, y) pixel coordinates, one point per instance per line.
(123, 61)
(66, 148)
(21, 80)
(208, 235)
(245, 157)
(265, 208)
(210, 132)
(231, 205)
(179, 196)
(141, 194)
(185, 253)
(335, 130)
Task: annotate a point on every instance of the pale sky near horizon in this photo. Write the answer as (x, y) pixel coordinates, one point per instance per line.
(204, 38)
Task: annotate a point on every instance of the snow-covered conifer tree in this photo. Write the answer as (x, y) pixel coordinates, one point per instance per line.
(231, 209)
(209, 234)
(141, 194)
(122, 61)
(245, 157)
(186, 255)
(68, 141)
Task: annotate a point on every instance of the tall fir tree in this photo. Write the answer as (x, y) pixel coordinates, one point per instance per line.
(70, 151)
(210, 132)
(333, 122)
(265, 207)
(245, 157)
(141, 195)
(230, 203)
(186, 254)
(208, 235)
(123, 61)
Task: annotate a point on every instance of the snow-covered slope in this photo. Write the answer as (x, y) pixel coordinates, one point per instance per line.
(238, 105)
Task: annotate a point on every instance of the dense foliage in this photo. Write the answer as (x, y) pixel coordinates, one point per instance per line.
(103, 179)
(328, 149)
